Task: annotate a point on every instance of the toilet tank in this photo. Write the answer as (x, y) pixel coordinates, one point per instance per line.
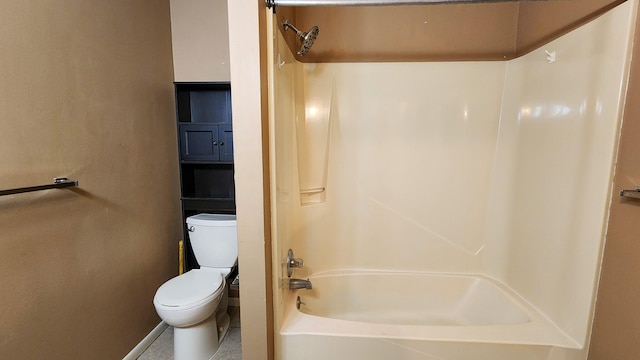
(214, 239)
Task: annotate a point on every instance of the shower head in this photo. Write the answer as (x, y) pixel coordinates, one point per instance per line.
(306, 38)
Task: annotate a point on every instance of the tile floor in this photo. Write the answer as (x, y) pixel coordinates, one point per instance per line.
(230, 349)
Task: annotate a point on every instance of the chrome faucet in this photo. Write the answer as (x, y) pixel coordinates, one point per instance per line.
(299, 284)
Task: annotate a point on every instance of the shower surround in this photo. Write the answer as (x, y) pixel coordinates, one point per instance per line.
(490, 170)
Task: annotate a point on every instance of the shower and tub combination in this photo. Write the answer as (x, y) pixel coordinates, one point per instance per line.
(443, 209)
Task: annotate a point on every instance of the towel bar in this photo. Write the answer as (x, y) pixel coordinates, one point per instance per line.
(58, 183)
(635, 194)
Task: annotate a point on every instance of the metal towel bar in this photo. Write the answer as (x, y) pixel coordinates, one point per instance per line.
(631, 193)
(272, 3)
(58, 183)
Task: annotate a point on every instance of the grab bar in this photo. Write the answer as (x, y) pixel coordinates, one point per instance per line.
(635, 194)
(58, 183)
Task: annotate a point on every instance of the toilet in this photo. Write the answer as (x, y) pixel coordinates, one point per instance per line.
(195, 303)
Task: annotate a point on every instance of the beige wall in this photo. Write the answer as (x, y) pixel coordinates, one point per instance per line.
(199, 30)
(86, 93)
(541, 21)
(406, 33)
(247, 39)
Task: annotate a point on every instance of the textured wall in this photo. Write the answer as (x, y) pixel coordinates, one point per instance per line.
(86, 93)
(489, 31)
(200, 32)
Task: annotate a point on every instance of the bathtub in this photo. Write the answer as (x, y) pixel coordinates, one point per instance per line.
(407, 315)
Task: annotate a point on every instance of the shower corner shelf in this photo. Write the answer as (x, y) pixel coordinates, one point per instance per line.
(634, 194)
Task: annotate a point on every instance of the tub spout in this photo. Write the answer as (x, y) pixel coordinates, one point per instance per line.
(299, 284)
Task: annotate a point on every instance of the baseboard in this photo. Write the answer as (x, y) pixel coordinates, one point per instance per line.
(234, 301)
(146, 342)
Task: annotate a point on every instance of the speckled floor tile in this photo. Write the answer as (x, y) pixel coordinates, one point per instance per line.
(162, 347)
(231, 348)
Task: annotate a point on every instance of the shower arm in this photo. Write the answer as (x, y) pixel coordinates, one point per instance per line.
(286, 24)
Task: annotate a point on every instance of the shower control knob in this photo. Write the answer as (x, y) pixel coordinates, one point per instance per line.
(296, 263)
(299, 302)
(292, 263)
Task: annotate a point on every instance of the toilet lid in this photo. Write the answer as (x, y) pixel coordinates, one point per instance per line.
(190, 288)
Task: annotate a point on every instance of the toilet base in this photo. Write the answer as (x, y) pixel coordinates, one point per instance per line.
(224, 321)
(198, 342)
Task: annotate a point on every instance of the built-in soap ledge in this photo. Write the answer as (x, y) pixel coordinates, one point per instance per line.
(312, 191)
(314, 195)
(634, 194)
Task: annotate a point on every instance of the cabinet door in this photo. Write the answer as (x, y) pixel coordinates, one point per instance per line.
(199, 142)
(225, 136)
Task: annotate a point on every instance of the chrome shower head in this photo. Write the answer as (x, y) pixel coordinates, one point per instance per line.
(306, 38)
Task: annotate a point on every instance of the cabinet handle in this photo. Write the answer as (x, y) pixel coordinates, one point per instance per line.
(215, 143)
(221, 143)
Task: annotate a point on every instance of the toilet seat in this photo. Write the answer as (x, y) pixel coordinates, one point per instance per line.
(192, 289)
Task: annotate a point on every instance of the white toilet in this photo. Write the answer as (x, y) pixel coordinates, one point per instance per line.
(195, 303)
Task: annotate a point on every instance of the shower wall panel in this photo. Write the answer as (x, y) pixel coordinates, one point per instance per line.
(498, 168)
(285, 187)
(411, 152)
(313, 129)
(556, 151)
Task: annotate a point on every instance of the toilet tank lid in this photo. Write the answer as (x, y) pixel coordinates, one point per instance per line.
(212, 220)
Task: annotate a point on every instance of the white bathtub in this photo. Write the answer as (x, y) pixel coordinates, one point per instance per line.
(407, 315)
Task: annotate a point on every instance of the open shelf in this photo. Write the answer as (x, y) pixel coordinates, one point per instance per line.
(206, 181)
(203, 102)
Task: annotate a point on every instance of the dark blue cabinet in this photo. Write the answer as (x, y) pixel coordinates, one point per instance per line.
(199, 142)
(210, 142)
(205, 138)
(225, 142)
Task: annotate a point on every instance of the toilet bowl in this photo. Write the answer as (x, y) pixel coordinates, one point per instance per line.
(191, 298)
(191, 304)
(195, 303)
